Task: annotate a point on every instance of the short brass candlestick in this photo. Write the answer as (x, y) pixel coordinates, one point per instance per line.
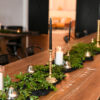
(98, 34)
(68, 52)
(50, 79)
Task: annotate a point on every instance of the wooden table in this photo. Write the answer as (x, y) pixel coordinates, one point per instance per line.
(12, 35)
(23, 36)
(82, 84)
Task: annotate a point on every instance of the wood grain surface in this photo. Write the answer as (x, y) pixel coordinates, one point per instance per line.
(82, 84)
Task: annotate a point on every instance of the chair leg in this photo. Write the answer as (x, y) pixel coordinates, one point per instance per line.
(15, 52)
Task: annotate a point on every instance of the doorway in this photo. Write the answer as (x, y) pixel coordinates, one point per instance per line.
(62, 13)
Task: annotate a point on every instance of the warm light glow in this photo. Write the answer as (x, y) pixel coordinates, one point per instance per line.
(59, 48)
(18, 31)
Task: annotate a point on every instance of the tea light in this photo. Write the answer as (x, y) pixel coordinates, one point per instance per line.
(59, 56)
(18, 31)
(12, 94)
(88, 54)
(67, 65)
(30, 69)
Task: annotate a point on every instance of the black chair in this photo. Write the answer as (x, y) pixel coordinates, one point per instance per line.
(12, 47)
(67, 38)
(4, 59)
(30, 50)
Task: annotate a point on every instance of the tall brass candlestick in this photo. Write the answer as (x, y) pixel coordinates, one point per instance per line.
(50, 79)
(98, 34)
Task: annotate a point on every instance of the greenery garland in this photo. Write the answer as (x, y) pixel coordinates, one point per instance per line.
(77, 53)
(29, 84)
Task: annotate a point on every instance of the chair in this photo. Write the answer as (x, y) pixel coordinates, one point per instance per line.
(67, 38)
(4, 59)
(13, 45)
(30, 50)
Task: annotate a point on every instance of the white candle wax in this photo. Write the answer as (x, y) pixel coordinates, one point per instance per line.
(1, 81)
(59, 58)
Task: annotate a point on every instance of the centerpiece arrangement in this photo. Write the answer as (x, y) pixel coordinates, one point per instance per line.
(41, 79)
(32, 85)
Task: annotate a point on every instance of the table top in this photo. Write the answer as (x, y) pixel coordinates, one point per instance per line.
(82, 84)
(39, 58)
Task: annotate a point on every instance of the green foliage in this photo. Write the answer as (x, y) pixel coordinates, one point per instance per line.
(3, 95)
(58, 72)
(7, 83)
(37, 81)
(28, 83)
(77, 53)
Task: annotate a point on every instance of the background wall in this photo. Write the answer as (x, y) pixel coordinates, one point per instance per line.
(31, 14)
(62, 8)
(14, 12)
(38, 15)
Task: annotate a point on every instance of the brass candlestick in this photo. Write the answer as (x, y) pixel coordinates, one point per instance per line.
(50, 79)
(98, 34)
(68, 53)
(92, 40)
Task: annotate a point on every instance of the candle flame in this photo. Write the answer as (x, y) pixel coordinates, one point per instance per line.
(59, 48)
